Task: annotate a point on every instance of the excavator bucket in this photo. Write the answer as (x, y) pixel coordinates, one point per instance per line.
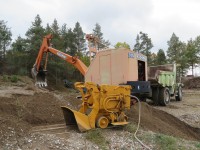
(40, 77)
(73, 117)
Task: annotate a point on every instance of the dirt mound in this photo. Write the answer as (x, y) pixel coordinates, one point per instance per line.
(20, 112)
(41, 108)
(191, 83)
(22, 106)
(162, 122)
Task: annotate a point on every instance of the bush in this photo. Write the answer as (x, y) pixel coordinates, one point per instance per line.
(198, 145)
(14, 78)
(5, 78)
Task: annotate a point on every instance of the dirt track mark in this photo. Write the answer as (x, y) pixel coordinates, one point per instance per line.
(55, 128)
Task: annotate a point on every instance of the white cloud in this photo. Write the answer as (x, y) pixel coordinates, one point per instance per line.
(120, 20)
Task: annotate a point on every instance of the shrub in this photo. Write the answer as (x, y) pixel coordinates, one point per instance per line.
(5, 78)
(14, 78)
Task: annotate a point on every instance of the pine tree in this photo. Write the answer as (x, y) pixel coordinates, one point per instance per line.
(176, 54)
(34, 36)
(17, 59)
(161, 58)
(48, 29)
(5, 38)
(97, 32)
(144, 45)
(56, 41)
(72, 42)
(153, 59)
(192, 54)
(137, 44)
(64, 37)
(79, 39)
(173, 51)
(19, 44)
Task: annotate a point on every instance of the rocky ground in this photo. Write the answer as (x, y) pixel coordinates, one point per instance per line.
(31, 118)
(187, 110)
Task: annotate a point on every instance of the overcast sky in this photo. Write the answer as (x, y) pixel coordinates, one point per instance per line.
(120, 20)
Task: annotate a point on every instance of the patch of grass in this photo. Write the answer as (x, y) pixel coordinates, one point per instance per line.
(96, 137)
(198, 145)
(130, 128)
(166, 142)
(147, 137)
(5, 78)
(14, 78)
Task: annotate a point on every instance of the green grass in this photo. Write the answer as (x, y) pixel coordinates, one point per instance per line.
(130, 128)
(5, 78)
(96, 137)
(12, 78)
(198, 145)
(165, 142)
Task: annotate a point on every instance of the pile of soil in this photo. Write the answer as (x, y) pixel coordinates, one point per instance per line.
(19, 113)
(22, 106)
(162, 122)
(191, 83)
(41, 108)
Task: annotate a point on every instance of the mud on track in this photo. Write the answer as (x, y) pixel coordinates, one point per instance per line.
(162, 122)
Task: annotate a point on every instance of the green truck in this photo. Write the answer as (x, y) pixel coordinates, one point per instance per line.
(164, 85)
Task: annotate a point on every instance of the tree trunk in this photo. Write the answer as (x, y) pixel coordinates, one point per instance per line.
(192, 69)
(4, 50)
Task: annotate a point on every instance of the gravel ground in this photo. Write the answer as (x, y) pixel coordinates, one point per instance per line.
(188, 110)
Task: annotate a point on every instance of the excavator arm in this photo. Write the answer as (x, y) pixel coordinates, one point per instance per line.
(39, 70)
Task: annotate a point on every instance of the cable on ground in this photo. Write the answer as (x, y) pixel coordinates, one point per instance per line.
(139, 116)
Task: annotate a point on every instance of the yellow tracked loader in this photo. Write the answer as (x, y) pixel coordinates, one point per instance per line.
(101, 106)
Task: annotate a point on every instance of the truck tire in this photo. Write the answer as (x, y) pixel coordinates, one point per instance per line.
(164, 96)
(178, 97)
(155, 93)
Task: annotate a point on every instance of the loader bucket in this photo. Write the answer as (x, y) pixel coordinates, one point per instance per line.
(40, 77)
(73, 117)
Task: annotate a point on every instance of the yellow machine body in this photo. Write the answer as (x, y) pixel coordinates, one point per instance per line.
(101, 106)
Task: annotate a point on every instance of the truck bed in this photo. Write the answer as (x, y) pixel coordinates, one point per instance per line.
(163, 75)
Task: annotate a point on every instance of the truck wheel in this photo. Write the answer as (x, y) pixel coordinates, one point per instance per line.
(179, 94)
(164, 96)
(155, 92)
